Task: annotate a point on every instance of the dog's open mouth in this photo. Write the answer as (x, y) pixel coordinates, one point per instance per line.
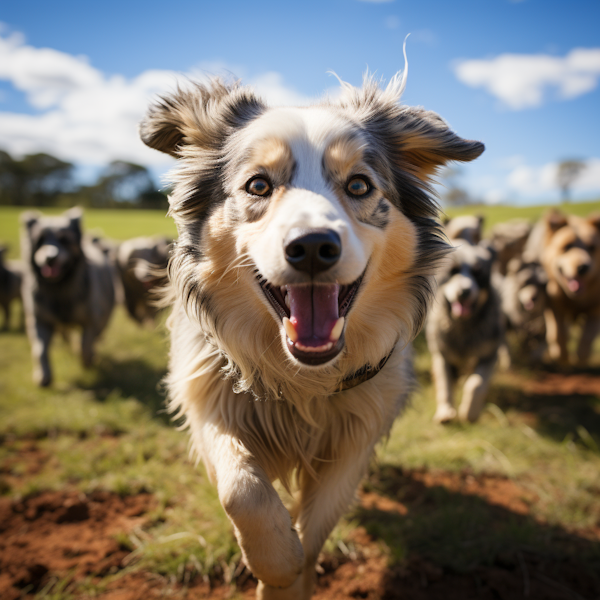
(461, 309)
(313, 317)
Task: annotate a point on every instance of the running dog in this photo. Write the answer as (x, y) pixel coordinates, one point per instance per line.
(465, 227)
(568, 247)
(11, 275)
(464, 331)
(524, 300)
(304, 268)
(142, 264)
(68, 282)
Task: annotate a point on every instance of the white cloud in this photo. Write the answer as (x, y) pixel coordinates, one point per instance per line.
(524, 81)
(527, 180)
(87, 117)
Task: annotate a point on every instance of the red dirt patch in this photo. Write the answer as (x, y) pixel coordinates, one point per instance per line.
(558, 384)
(497, 490)
(63, 532)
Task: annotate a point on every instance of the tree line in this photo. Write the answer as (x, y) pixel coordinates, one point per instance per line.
(44, 180)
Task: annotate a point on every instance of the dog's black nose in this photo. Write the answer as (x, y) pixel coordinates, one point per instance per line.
(464, 294)
(312, 250)
(583, 269)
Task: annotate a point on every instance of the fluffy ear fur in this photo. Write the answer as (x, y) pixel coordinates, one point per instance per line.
(198, 116)
(427, 142)
(594, 219)
(29, 218)
(75, 215)
(555, 220)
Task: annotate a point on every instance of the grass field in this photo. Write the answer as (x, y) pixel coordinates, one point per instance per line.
(523, 482)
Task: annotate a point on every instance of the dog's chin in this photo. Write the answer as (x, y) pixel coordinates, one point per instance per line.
(312, 318)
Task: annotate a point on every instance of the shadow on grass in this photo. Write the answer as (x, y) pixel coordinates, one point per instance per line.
(130, 378)
(461, 545)
(560, 405)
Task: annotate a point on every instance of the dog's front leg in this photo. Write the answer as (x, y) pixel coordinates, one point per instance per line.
(443, 380)
(40, 336)
(263, 526)
(88, 336)
(589, 331)
(557, 335)
(322, 502)
(6, 309)
(475, 390)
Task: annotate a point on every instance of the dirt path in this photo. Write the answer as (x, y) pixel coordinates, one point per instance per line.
(54, 534)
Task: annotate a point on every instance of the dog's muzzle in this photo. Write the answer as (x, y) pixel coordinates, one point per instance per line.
(313, 315)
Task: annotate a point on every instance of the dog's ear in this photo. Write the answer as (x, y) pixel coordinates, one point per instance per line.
(487, 245)
(75, 215)
(199, 116)
(555, 220)
(594, 219)
(513, 266)
(426, 142)
(29, 218)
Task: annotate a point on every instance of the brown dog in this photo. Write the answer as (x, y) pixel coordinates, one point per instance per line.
(568, 247)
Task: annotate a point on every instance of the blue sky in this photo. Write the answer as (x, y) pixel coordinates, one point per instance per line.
(522, 76)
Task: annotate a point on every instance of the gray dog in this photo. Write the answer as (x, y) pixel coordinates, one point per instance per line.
(142, 264)
(464, 331)
(11, 274)
(68, 282)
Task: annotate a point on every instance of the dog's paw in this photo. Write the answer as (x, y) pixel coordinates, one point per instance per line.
(277, 560)
(444, 414)
(42, 378)
(296, 591)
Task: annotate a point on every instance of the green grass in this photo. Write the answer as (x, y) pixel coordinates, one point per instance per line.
(501, 213)
(117, 224)
(106, 428)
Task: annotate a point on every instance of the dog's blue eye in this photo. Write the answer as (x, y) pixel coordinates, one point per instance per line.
(258, 187)
(357, 186)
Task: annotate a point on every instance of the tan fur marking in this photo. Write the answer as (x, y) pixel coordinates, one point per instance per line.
(342, 157)
(273, 156)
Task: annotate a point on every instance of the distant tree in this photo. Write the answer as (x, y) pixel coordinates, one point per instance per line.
(454, 193)
(46, 177)
(35, 180)
(566, 175)
(124, 181)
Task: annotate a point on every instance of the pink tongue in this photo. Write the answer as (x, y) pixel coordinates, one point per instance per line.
(50, 271)
(574, 285)
(460, 310)
(313, 311)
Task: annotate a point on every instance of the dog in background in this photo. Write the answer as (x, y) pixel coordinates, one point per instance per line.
(67, 282)
(11, 275)
(304, 268)
(568, 247)
(465, 227)
(524, 300)
(508, 240)
(464, 331)
(142, 264)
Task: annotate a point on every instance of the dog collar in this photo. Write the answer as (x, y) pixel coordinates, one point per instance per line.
(363, 374)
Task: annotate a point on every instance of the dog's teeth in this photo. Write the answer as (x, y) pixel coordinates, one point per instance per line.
(287, 300)
(336, 332)
(290, 330)
(323, 348)
(283, 290)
